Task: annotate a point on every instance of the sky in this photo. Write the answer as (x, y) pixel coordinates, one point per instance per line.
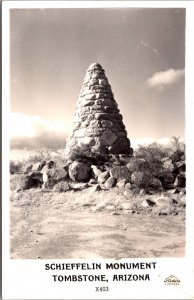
(142, 51)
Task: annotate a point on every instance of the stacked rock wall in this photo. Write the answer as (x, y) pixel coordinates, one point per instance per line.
(97, 124)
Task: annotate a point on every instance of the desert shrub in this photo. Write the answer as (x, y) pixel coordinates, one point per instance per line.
(153, 150)
(23, 165)
(38, 156)
(177, 145)
(148, 162)
(85, 154)
(152, 155)
(178, 148)
(14, 181)
(46, 154)
(15, 167)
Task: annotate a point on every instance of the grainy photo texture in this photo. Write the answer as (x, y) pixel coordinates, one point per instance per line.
(97, 150)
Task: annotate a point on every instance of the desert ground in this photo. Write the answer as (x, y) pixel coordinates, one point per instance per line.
(88, 224)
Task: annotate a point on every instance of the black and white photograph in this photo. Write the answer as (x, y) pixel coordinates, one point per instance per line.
(97, 138)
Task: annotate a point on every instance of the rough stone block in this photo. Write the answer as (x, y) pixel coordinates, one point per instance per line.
(38, 166)
(86, 141)
(60, 174)
(148, 203)
(181, 165)
(121, 183)
(61, 187)
(121, 133)
(109, 137)
(103, 177)
(95, 123)
(84, 118)
(110, 183)
(80, 132)
(102, 116)
(117, 116)
(98, 95)
(121, 146)
(120, 173)
(109, 109)
(180, 181)
(76, 126)
(25, 182)
(84, 124)
(102, 82)
(97, 108)
(104, 102)
(100, 142)
(100, 149)
(95, 188)
(106, 123)
(95, 171)
(79, 171)
(79, 186)
(138, 178)
(87, 76)
(87, 102)
(93, 81)
(128, 185)
(94, 131)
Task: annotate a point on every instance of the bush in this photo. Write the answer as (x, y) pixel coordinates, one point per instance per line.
(38, 156)
(149, 163)
(177, 145)
(178, 148)
(152, 155)
(15, 167)
(84, 154)
(153, 150)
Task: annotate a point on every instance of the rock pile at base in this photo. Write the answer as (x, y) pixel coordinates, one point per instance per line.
(84, 174)
(162, 193)
(98, 127)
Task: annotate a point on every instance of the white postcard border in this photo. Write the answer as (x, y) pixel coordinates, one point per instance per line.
(28, 279)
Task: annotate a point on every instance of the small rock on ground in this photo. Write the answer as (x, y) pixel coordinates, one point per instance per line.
(110, 183)
(96, 188)
(62, 187)
(103, 177)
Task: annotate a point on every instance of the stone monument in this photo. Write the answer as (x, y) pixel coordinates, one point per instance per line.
(97, 125)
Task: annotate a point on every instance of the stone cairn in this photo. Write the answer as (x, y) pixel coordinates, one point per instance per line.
(99, 156)
(98, 127)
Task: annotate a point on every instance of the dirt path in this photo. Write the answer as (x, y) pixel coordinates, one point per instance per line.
(50, 231)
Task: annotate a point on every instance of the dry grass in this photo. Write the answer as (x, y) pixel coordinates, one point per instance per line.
(116, 200)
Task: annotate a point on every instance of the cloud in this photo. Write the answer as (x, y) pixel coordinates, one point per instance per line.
(32, 131)
(165, 78)
(49, 140)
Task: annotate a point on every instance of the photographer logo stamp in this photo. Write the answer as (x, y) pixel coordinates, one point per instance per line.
(172, 280)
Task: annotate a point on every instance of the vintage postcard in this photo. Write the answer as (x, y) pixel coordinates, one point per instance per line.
(98, 150)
